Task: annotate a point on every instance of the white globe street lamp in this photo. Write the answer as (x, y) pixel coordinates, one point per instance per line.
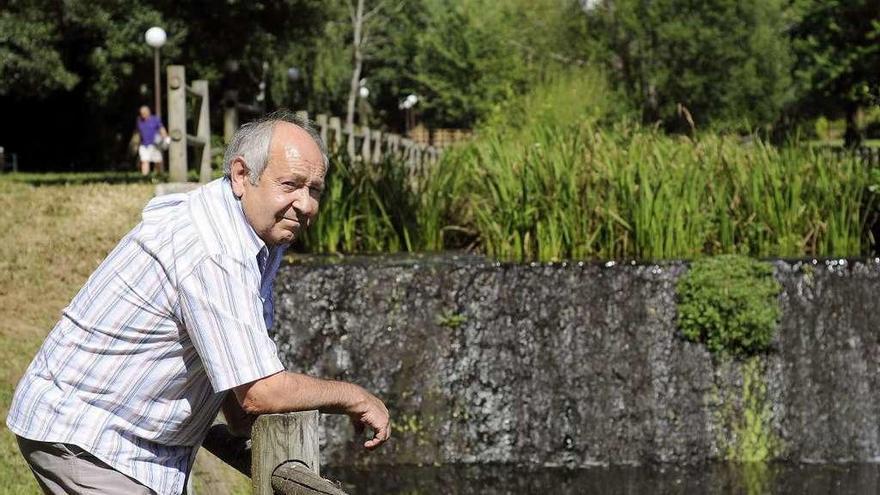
(156, 37)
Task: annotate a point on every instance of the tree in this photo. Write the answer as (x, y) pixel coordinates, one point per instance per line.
(727, 62)
(838, 59)
(29, 62)
(360, 40)
(86, 65)
(471, 56)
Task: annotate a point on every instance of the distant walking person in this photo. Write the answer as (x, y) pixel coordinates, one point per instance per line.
(152, 134)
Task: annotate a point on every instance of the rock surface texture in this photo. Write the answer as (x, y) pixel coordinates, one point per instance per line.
(576, 364)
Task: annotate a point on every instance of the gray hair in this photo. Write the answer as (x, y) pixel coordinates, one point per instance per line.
(252, 140)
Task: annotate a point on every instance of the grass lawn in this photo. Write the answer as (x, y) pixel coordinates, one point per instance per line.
(53, 237)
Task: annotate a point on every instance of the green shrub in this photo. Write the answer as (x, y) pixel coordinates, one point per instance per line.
(730, 303)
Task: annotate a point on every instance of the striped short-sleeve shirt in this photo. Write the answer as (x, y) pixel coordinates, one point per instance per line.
(138, 365)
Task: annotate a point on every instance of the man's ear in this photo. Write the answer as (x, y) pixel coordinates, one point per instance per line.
(239, 175)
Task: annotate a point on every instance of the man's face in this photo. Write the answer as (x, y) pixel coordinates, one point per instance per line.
(144, 112)
(285, 199)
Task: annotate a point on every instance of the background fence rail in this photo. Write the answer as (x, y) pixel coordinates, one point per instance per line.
(178, 92)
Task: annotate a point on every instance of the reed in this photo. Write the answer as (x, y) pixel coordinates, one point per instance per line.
(364, 209)
(561, 173)
(577, 191)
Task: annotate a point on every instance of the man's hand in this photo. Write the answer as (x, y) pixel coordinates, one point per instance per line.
(369, 411)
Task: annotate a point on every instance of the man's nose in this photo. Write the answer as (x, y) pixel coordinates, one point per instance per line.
(303, 203)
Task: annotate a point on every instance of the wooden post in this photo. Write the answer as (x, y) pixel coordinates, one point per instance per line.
(230, 114)
(336, 127)
(406, 155)
(376, 136)
(282, 456)
(349, 146)
(321, 122)
(203, 130)
(393, 143)
(279, 438)
(176, 78)
(365, 145)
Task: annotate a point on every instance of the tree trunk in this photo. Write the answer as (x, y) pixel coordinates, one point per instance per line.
(852, 138)
(357, 21)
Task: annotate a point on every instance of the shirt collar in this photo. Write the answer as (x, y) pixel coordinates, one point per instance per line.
(251, 244)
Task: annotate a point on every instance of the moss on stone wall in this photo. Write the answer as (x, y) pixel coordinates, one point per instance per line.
(747, 438)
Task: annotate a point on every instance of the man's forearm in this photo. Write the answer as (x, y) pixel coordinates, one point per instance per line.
(288, 392)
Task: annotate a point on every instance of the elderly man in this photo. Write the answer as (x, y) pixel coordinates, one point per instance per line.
(172, 326)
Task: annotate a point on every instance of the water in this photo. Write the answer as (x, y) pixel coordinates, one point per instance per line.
(778, 478)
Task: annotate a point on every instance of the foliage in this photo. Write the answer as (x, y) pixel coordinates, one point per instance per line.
(462, 67)
(101, 46)
(28, 60)
(365, 208)
(729, 303)
(726, 61)
(564, 192)
(543, 181)
(87, 66)
(473, 55)
(838, 58)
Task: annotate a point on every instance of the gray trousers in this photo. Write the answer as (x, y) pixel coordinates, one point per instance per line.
(63, 468)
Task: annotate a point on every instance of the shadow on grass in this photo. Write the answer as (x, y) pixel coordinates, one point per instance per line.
(80, 178)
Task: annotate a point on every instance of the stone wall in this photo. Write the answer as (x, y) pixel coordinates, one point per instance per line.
(578, 364)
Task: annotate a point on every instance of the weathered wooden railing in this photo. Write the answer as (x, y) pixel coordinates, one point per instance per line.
(180, 138)
(363, 144)
(869, 155)
(282, 457)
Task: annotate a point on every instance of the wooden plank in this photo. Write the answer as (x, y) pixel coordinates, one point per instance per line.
(335, 126)
(292, 478)
(279, 438)
(230, 115)
(176, 79)
(376, 136)
(393, 143)
(365, 145)
(195, 140)
(321, 122)
(349, 143)
(203, 130)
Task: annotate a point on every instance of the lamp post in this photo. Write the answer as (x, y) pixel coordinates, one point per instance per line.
(407, 104)
(363, 104)
(155, 37)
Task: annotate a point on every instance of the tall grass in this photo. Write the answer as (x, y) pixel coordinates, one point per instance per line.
(575, 191)
(561, 173)
(365, 208)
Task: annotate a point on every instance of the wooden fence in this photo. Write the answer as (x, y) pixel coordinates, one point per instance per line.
(282, 457)
(180, 138)
(362, 144)
(867, 154)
